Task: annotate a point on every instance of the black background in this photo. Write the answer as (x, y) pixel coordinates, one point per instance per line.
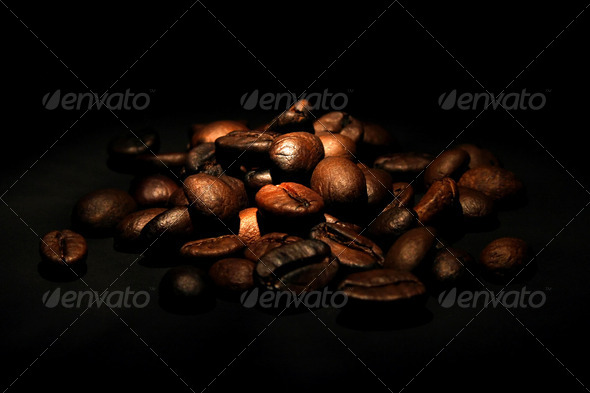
(393, 73)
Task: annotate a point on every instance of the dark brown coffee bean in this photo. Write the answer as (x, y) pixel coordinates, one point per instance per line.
(257, 179)
(201, 159)
(350, 248)
(183, 286)
(382, 285)
(337, 145)
(450, 266)
(475, 204)
(504, 256)
(163, 162)
(404, 166)
(127, 145)
(99, 212)
(296, 153)
(340, 182)
(178, 198)
(238, 188)
(403, 195)
(268, 242)
(249, 227)
(211, 197)
(297, 118)
(302, 266)
(128, 232)
(391, 223)
(211, 131)
(153, 190)
(478, 156)
(340, 123)
(289, 200)
(375, 136)
(495, 182)
(334, 220)
(171, 226)
(451, 163)
(410, 249)
(442, 195)
(211, 249)
(233, 274)
(63, 248)
(379, 185)
(247, 147)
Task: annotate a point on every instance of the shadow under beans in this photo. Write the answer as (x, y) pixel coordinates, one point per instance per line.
(380, 317)
(516, 202)
(61, 273)
(517, 277)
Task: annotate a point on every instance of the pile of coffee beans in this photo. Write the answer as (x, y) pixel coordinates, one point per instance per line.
(298, 204)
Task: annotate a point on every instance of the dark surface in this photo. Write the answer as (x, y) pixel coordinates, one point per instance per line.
(395, 73)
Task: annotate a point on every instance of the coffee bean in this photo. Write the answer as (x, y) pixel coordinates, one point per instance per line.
(163, 162)
(403, 196)
(250, 148)
(391, 223)
(478, 156)
(337, 145)
(183, 286)
(451, 163)
(200, 158)
(302, 266)
(128, 231)
(268, 242)
(495, 182)
(379, 185)
(233, 274)
(257, 179)
(404, 166)
(442, 195)
(382, 285)
(211, 131)
(211, 197)
(238, 189)
(154, 190)
(296, 153)
(475, 204)
(334, 220)
(297, 118)
(127, 145)
(340, 123)
(211, 249)
(99, 212)
(63, 248)
(249, 230)
(410, 249)
(289, 201)
(340, 182)
(352, 249)
(375, 136)
(178, 198)
(172, 226)
(504, 256)
(450, 266)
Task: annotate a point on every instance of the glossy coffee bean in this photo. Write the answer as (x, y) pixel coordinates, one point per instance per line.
(211, 197)
(183, 286)
(178, 198)
(238, 189)
(200, 158)
(257, 179)
(210, 249)
(495, 182)
(233, 274)
(403, 195)
(128, 231)
(450, 266)
(268, 242)
(504, 257)
(249, 230)
(376, 137)
(154, 190)
(248, 147)
(337, 145)
(334, 220)
(352, 250)
(289, 200)
(404, 166)
(379, 185)
(63, 248)
(127, 145)
(478, 156)
(442, 195)
(163, 162)
(410, 249)
(451, 163)
(296, 153)
(171, 226)
(340, 123)
(475, 204)
(302, 266)
(382, 285)
(99, 212)
(297, 118)
(208, 133)
(340, 182)
(391, 224)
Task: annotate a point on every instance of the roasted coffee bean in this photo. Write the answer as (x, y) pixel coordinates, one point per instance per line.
(211, 131)
(296, 153)
(495, 182)
(154, 190)
(99, 212)
(249, 227)
(178, 198)
(451, 163)
(212, 197)
(289, 201)
(376, 137)
(268, 242)
(352, 249)
(475, 204)
(382, 285)
(379, 185)
(504, 256)
(410, 249)
(404, 166)
(163, 162)
(337, 145)
(340, 123)
(171, 226)
(233, 274)
(128, 232)
(183, 286)
(200, 158)
(331, 219)
(450, 266)
(238, 188)
(211, 249)
(403, 195)
(297, 118)
(255, 180)
(248, 147)
(299, 267)
(340, 182)
(63, 248)
(391, 223)
(442, 195)
(128, 145)
(478, 156)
